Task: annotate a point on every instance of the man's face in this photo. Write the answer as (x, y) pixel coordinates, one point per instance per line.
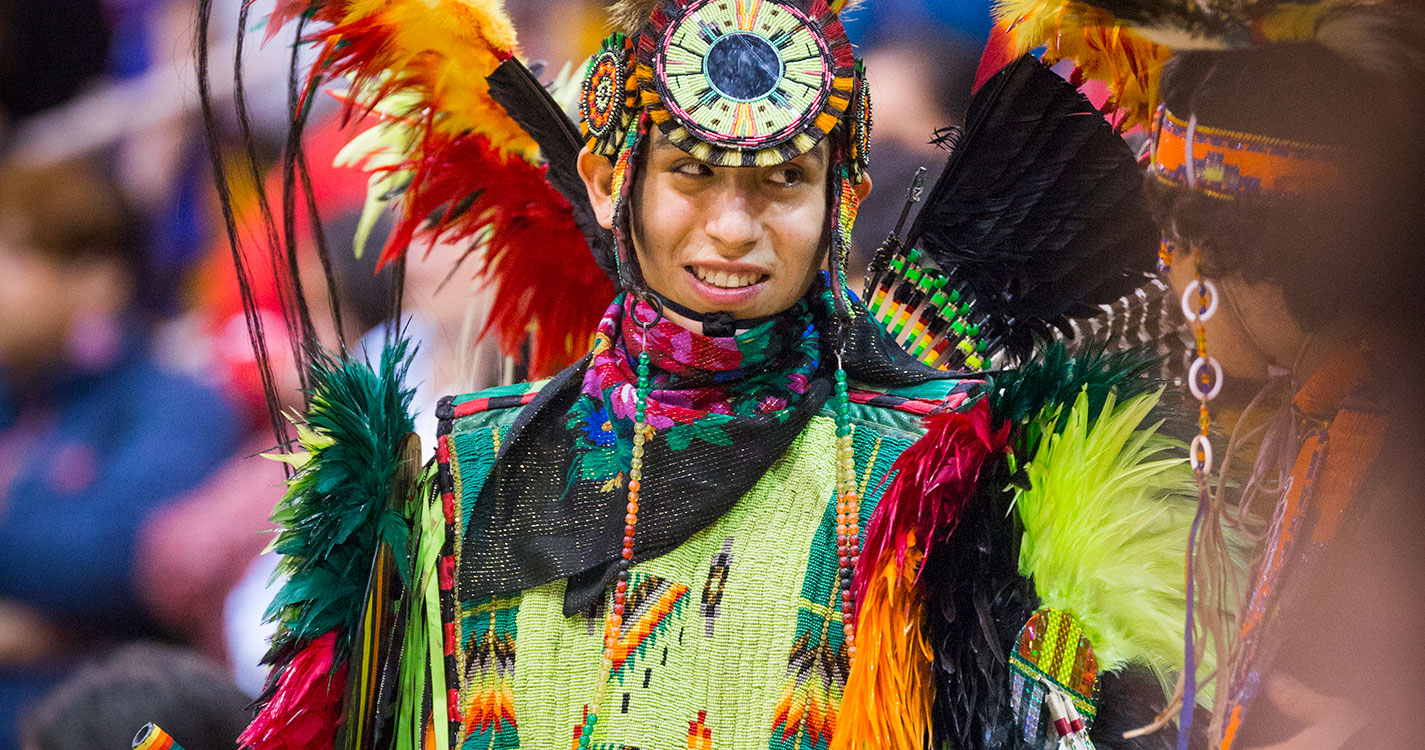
(742, 240)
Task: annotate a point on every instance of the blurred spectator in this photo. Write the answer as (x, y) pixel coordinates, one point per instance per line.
(103, 705)
(919, 84)
(198, 569)
(95, 435)
(887, 21)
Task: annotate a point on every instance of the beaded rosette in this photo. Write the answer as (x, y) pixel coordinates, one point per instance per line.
(734, 83)
(608, 97)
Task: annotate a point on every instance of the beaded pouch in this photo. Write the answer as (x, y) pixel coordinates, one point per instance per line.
(1054, 680)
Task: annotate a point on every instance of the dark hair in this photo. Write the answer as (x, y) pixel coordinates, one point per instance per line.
(71, 212)
(1352, 251)
(104, 704)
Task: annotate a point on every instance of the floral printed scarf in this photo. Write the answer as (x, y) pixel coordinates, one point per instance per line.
(723, 409)
(708, 393)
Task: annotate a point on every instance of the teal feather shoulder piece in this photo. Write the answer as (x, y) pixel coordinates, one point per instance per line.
(338, 502)
(345, 538)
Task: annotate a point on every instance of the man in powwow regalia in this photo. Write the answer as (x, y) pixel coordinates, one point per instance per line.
(758, 510)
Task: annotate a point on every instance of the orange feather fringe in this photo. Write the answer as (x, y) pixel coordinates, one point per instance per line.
(1102, 49)
(469, 170)
(886, 702)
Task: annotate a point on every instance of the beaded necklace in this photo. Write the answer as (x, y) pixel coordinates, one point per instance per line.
(848, 514)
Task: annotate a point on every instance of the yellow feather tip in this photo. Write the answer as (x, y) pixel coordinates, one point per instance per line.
(1103, 49)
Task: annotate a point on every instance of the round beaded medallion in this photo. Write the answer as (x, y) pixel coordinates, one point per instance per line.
(603, 103)
(725, 79)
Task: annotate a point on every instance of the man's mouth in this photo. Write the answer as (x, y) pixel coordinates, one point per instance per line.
(723, 279)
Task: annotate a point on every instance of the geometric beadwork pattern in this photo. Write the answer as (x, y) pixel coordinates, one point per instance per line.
(608, 97)
(650, 602)
(817, 665)
(818, 662)
(1051, 651)
(1226, 164)
(487, 686)
(716, 585)
(770, 675)
(745, 82)
(749, 70)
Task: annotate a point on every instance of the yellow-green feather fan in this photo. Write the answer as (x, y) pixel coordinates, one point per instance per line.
(1106, 523)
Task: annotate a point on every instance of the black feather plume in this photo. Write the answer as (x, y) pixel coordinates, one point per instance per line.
(974, 620)
(529, 104)
(1039, 213)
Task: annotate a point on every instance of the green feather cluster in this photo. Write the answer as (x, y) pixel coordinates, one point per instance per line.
(337, 508)
(1106, 517)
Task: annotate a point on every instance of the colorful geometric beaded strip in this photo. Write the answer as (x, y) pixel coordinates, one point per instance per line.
(1054, 675)
(926, 316)
(1226, 164)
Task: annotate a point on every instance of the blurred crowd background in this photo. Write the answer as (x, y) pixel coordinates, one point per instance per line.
(133, 499)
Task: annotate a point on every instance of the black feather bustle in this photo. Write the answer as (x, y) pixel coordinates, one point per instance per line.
(1039, 214)
(977, 603)
(529, 104)
(1128, 700)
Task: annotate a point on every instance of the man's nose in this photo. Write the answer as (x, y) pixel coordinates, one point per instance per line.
(733, 223)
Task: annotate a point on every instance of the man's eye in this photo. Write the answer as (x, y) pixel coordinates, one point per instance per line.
(788, 177)
(693, 169)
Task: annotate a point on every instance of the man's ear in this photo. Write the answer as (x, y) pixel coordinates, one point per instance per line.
(598, 175)
(862, 188)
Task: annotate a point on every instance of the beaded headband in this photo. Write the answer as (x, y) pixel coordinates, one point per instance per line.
(1227, 164)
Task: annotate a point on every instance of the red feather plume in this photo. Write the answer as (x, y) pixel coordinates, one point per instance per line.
(934, 480)
(467, 166)
(531, 249)
(305, 710)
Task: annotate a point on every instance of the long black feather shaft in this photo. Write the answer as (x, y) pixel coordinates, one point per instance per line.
(892, 244)
(529, 104)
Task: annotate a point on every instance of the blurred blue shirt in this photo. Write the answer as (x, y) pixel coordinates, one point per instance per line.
(84, 466)
(882, 21)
